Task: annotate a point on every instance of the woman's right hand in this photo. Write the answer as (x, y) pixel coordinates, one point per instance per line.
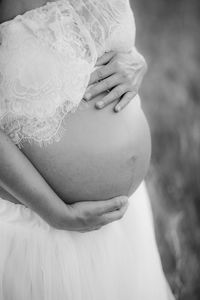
(92, 215)
(24, 183)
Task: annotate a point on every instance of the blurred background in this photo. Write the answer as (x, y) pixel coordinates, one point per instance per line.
(168, 35)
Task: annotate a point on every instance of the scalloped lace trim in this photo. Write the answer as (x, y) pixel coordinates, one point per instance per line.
(46, 58)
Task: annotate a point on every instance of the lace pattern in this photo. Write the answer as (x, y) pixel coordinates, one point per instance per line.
(46, 58)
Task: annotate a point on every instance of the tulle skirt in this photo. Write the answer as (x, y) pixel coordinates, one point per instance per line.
(118, 262)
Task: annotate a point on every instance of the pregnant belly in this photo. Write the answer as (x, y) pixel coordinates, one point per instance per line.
(102, 154)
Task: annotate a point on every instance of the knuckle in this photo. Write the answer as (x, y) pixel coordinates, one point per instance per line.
(95, 89)
(128, 97)
(119, 203)
(117, 93)
(99, 74)
(107, 84)
(123, 200)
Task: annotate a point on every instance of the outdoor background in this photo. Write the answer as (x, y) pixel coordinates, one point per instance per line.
(168, 35)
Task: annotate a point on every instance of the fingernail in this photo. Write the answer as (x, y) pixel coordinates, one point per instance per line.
(117, 108)
(100, 104)
(87, 96)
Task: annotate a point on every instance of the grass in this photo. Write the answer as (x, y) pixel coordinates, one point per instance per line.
(168, 36)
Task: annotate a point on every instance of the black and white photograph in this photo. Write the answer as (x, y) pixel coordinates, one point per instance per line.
(99, 150)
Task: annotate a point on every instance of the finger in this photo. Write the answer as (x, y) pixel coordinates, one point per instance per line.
(125, 101)
(102, 86)
(101, 73)
(113, 95)
(95, 228)
(105, 58)
(110, 205)
(90, 229)
(115, 215)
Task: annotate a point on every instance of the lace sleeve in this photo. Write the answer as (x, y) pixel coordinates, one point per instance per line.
(110, 23)
(46, 57)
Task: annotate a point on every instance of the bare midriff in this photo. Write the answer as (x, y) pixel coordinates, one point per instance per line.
(102, 154)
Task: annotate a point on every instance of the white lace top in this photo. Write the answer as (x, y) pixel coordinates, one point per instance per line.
(46, 58)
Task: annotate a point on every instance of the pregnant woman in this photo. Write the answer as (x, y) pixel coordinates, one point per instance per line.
(67, 167)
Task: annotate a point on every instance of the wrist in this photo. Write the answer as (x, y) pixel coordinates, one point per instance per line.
(61, 218)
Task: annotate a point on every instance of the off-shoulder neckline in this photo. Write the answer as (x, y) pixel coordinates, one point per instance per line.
(48, 3)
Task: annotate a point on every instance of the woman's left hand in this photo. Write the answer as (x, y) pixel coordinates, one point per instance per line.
(118, 73)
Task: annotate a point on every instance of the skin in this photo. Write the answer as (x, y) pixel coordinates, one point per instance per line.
(101, 154)
(119, 72)
(83, 216)
(21, 183)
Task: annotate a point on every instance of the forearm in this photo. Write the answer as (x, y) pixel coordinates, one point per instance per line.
(22, 181)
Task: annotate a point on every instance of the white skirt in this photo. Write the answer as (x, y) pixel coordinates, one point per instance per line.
(118, 262)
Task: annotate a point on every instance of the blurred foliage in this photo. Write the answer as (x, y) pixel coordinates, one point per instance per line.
(168, 34)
